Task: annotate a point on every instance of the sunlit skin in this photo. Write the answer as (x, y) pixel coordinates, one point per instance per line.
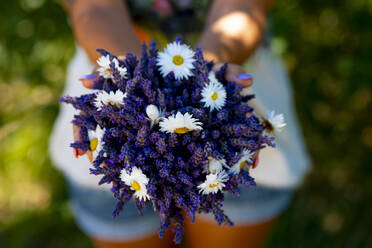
(208, 234)
(232, 32)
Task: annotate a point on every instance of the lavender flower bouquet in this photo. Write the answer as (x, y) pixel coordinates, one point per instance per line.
(168, 131)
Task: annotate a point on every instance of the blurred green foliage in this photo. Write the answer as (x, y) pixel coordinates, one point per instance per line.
(327, 47)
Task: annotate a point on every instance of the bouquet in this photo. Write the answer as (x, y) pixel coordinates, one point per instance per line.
(168, 131)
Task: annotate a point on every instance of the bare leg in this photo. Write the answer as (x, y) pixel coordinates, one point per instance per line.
(151, 241)
(208, 234)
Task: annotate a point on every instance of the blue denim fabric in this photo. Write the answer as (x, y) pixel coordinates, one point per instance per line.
(93, 207)
(101, 203)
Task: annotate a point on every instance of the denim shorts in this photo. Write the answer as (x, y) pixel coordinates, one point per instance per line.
(92, 208)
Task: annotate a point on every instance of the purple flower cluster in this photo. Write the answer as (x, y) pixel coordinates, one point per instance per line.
(174, 163)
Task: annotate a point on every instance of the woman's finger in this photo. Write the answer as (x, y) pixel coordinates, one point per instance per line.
(77, 137)
(244, 79)
(236, 73)
(88, 80)
(90, 156)
(255, 159)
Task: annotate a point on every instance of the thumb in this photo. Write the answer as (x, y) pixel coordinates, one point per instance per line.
(236, 73)
(88, 80)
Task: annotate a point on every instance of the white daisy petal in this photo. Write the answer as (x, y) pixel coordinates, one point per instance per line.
(242, 164)
(213, 93)
(137, 181)
(105, 70)
(213, 183)
(275, 123)
(122, 70)
(177, 58)
(104, 98)
(212, 77)
(179, 123)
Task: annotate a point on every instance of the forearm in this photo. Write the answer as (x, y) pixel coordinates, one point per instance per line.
(234, 29)
(103, 24)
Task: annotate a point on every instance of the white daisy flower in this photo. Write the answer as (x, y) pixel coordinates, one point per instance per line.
(104, 98)
(105, 70)
(179, 123)
(95, 140)
(212, 77)
(177, 58)
(242, 164)
(137, 182)
(274, 122)
(215, 165)
(154, 113)
(213, 94)
(213, 183)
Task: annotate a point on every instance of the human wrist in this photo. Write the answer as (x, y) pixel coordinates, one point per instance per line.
(211, 56)
(209, 48)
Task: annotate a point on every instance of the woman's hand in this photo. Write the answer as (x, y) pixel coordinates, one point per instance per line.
(234, 29)
(77, 137)
(103, 24)
(88, 82)
(235, 73)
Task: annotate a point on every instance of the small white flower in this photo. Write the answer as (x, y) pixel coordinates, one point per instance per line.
(274, 122)
(154, 113)
(212, 77)
(213, 93)
(177, 58)
(105, 70)
(104, 98)
(95, 140)
(215, 165)
(242, 164)
(213, 183)
(137, 182)
(179, 123)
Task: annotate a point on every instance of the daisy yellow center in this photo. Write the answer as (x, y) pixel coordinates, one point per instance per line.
(108, 71)
(177, 60)
(181, 130)
(214, 185)
(269, 126)
(214, 96)
(135, 185)
(93, 144)
(241, 165)
(112, 103)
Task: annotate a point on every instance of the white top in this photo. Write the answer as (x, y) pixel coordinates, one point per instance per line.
(280, 167)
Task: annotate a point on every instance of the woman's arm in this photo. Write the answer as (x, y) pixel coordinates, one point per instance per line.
(234, 29)
(102, 24)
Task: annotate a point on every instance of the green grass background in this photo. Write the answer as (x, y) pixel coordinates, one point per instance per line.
(327, 46)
